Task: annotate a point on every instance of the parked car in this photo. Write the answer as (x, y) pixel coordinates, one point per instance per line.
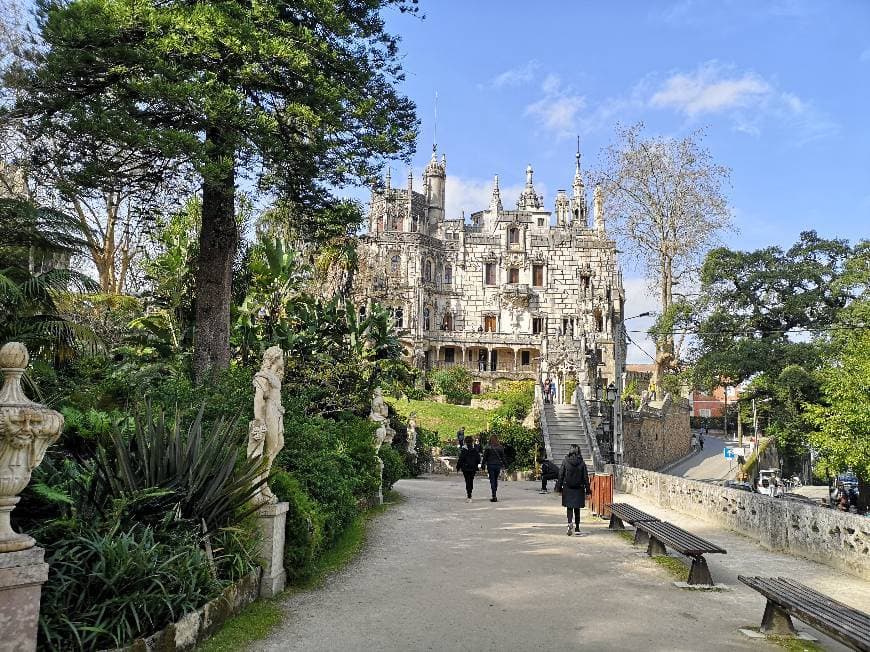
(740, 486)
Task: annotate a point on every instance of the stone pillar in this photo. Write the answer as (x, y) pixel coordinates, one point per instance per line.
(22, 574)
(272, 521)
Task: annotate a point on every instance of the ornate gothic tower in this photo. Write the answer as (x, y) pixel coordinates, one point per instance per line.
(578, 197)
(434, 180)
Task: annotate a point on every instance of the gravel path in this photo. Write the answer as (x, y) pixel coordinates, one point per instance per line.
(440, 574)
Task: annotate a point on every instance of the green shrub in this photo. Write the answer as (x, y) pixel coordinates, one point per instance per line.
(516, 397)
(394, 466)
(303, 538)
(451, 450)
(107, 588)
(454, 383)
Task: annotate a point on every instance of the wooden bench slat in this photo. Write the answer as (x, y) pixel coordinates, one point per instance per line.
(838, 614)
(677, 538)
(629, 513)
(802, 596)
(801, 607)
(839, 620)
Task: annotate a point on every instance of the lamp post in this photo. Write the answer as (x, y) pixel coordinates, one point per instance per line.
(617, 441)
(611, 396)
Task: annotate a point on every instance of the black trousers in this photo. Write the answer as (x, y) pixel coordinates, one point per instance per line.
(576, 519)
(545, 477)
(469, 481)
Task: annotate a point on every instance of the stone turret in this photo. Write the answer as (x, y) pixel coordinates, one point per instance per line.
(598, 208)
(578, 195)
(529, 199)
(434, 180)
(563, 209)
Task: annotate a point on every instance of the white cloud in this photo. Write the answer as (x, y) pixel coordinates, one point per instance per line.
(749, 101)
(707, 91)
(557, 111)
(517, 76)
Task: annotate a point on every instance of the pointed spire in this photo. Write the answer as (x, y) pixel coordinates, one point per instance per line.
(529, 199)
(388, 180)
(410, 180)
(495, 203)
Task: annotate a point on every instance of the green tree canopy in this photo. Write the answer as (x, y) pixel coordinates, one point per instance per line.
(299, 94)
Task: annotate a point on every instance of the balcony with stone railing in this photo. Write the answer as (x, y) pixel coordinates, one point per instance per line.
(484, 339)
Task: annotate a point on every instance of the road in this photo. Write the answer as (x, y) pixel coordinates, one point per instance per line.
(708, 465)
(440, 574)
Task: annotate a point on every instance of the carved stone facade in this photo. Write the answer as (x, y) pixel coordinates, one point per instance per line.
(508, 293)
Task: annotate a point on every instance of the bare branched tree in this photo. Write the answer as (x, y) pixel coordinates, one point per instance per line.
(665, 197)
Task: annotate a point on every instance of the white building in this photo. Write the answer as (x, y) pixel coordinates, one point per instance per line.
(515, 294)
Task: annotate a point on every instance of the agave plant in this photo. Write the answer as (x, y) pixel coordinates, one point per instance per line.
(165, 472)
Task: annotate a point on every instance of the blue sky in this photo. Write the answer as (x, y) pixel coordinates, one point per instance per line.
(782, 89)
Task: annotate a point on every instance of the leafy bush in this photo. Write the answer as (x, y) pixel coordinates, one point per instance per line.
(107, 588)
(516, 397)
(394, 466)
(454, 383)
(451, 450)
(303, 538)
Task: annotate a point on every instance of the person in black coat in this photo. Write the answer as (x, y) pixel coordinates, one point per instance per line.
(549, 471)
(573, 483)
(469, 460)
(494, 460)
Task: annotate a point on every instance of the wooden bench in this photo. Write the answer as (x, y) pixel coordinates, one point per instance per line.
(662, 534)
(786, 598)
(620, 512)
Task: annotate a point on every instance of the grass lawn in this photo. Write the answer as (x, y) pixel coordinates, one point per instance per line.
(444, 418)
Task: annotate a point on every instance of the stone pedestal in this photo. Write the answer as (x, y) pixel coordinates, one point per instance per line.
(22, 574)
(272, 519)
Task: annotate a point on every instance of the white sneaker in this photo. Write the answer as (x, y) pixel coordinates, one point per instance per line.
(468, 500)
(570, 532)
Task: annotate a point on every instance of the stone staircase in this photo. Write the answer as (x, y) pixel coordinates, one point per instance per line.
(565, 428)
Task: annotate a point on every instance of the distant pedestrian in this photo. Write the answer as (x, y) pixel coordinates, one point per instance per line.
(460, 436)
(694, 442)
(701, 441)
(469, 460)
(549, 471)
(494, 461)
(553, 391)
(546, 390)
(573, 482)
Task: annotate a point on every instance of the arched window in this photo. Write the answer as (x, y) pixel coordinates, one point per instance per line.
(447, 322)
(448, 274)
(513, 236)
(427, 270)
(427, 322)
(397, 317)
(599, 321)
(394, 264)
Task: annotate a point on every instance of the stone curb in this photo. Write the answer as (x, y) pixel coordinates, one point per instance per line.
(197, 626)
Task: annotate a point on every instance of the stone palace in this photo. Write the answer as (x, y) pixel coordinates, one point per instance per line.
(510, 294)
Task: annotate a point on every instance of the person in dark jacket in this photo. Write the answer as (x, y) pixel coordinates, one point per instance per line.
(469, 460)
(549, 471)
(573, 482)
(493, 461)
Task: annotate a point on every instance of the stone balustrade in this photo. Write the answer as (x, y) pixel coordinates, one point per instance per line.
(828, 536)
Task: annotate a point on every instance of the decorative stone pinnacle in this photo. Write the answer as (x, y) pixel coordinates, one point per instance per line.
(27, 429)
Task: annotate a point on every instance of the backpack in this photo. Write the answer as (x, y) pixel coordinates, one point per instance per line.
(573, 476)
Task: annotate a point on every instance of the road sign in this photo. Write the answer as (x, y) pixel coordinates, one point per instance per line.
(730, 452)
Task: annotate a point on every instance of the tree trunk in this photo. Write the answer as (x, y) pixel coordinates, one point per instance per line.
(218, 239)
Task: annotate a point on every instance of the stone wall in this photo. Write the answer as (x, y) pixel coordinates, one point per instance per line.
(834, 538)
(657, 434)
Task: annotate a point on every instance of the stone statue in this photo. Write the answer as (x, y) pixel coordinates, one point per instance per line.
(412, 433)
(27, 429)
(380, 411)
(266, 430)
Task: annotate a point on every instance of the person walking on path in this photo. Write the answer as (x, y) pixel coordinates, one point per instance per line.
(469, 460)
(460, 436)
(701, 441)
(573, 483)
(493, 460)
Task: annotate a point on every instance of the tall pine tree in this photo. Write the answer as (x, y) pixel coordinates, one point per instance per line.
(300, 95)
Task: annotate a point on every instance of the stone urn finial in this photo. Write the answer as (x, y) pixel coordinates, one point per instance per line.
(27, 429)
